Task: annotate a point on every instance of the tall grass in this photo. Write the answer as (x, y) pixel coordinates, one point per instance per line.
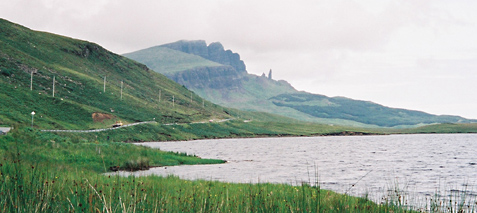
(36, 176)
(25, 188)
(444, 199)
(452, 200)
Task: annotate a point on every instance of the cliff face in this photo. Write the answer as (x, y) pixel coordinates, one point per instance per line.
(218, 54)
(214, 52)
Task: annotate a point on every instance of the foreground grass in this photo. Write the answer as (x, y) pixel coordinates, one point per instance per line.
(36, 175)
(27, 189)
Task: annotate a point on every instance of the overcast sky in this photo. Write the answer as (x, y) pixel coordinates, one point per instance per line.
(413, 54)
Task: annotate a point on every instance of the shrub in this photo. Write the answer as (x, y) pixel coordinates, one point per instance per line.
(134, 165)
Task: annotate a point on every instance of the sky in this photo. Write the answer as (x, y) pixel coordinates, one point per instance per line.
(412, 54)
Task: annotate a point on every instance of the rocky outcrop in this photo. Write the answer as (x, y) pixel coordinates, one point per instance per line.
(218, 54)
(100, 117)
(214, 52)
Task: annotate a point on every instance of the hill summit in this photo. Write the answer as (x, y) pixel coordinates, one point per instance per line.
(214, 52)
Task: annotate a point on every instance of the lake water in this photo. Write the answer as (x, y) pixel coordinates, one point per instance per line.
(418, 165)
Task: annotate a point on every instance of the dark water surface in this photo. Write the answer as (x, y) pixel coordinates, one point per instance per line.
(421, 165)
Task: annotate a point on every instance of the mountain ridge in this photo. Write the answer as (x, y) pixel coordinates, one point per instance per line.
(262, 93)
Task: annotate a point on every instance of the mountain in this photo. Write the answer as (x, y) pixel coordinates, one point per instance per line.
(220, 76)
(92, 86)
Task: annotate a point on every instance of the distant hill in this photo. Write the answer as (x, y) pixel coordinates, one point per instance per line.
(360, 111)
(220, 76)
(131, 93)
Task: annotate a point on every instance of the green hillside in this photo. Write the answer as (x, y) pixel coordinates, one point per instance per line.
(79, 68)
(238, 89)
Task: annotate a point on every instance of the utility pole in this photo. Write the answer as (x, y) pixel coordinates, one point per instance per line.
(104, 84)
(173, 101)
(159, 96)
(53, 86)
(121, 90)
(31, 81)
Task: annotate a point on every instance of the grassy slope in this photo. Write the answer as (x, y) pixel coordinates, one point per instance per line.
(171, 61)
(79, 68)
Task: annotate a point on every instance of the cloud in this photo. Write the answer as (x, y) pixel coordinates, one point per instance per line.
(83, 10)
(313, 25)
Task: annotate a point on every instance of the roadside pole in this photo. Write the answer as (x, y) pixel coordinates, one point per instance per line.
(104, 85)
(32, 114)
(31, 81)
(53, 86)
